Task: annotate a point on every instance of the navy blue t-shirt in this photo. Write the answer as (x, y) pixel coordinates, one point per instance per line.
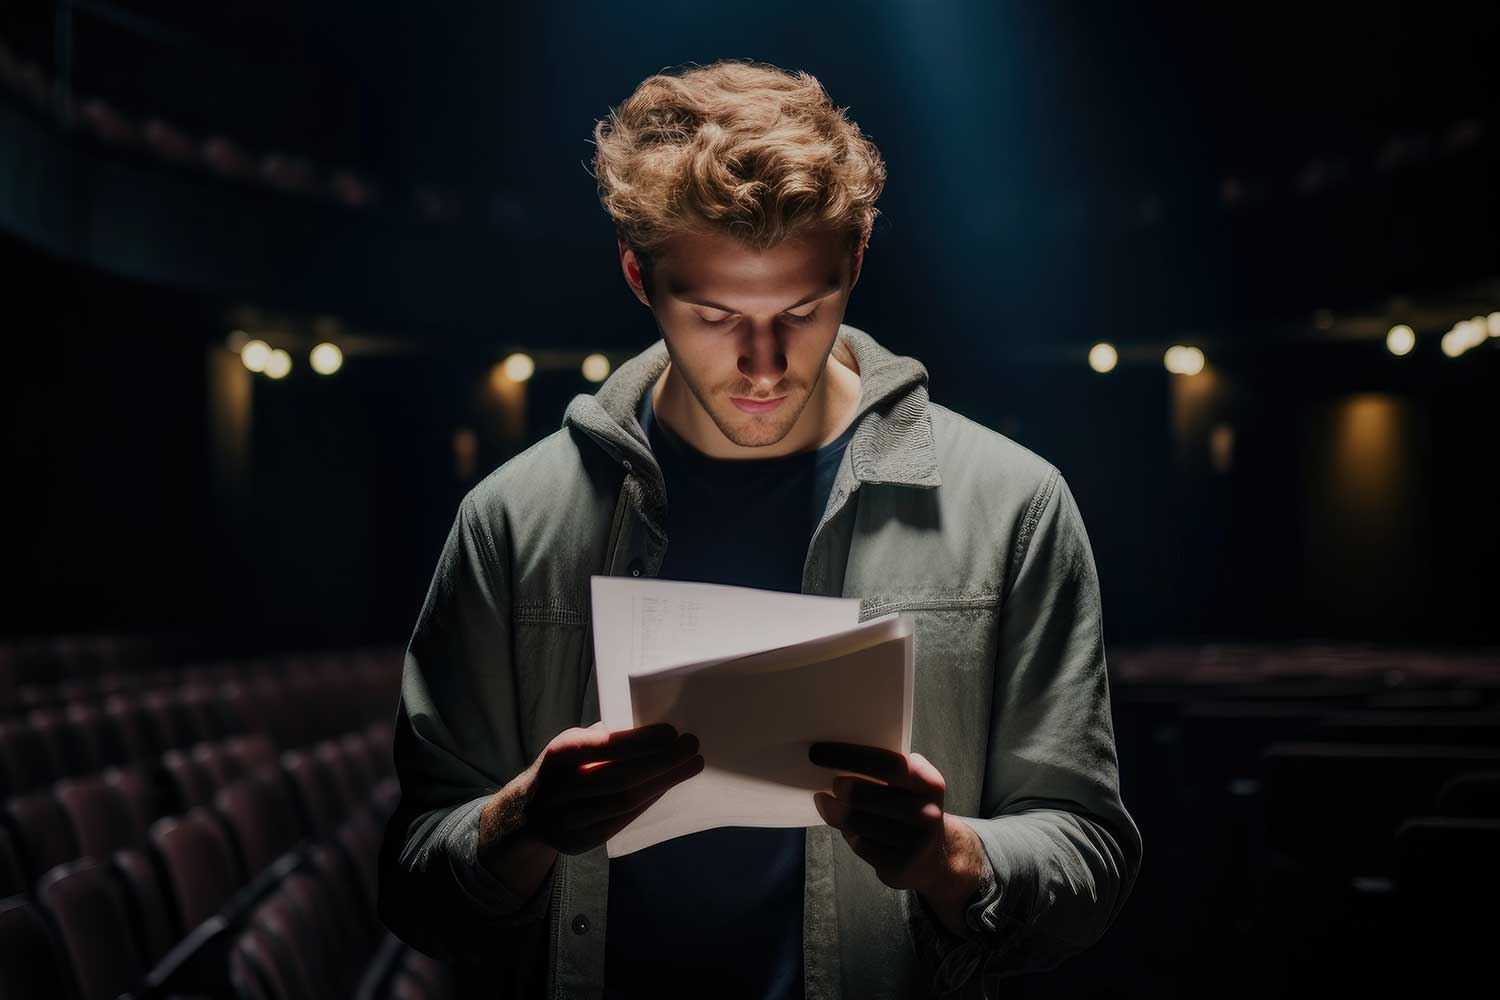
(719, 912)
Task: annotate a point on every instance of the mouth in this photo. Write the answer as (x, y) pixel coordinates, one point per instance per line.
(757, 405)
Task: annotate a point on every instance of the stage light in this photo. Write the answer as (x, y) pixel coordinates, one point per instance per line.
(1478, 331)
(518, 367)
(1465, 334)
(326, 359)
(1103, 357)
(279, 364)
(1181, 360)
(255, 355)
(1493, 323)
(596, 368)
(1400, 340)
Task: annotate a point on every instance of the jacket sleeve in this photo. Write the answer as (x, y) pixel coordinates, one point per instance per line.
(1063, 852)
(457, 741)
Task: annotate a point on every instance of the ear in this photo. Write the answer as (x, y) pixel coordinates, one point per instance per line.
(859, 260)
(632, 270)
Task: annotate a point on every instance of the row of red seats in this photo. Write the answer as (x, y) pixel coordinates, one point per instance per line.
(1313, 820)
(162, 916)
(211, 830)
(24, 690)
(44, 744)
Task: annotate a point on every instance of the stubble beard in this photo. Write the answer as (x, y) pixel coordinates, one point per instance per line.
(750, 430)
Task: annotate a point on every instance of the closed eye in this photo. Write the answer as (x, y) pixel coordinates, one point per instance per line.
(792, 318)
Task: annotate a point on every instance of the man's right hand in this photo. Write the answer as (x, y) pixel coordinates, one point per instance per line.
(589, 784)
(584, 787)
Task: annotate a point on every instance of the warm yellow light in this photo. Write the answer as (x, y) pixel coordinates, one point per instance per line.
(1465, 335)
(596, 368)
(255, 354)
(1400, 340)
(518, 367)
(1182, 360)
(279, 364)
(1103, 357)
(326, 359)
(1476, 332)
(1493, 322)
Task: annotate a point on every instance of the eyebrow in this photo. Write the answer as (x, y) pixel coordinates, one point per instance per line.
(823, 293)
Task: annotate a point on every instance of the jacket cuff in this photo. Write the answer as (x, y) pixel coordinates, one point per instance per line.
(1010, 922)
(959, 956)
(478, 883)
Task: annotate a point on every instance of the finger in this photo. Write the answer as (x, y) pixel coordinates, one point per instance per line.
(841, 816)
(925, 774)
(875, 762)
(618, 776)
(597, 834)
(880, 857)
(593, 745)
(599, 808)
(881, 829)
(916, 809)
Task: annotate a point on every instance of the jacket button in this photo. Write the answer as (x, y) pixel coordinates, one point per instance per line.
(580, 924)
(635, 567)
(628, 466)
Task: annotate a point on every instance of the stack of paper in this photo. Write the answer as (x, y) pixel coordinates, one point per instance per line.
(758, 676)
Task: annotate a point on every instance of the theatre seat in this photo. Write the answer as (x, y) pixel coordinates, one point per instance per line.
(1335, 807)
(12, 876)
(261, 819)
(31, 959)
(1473, 793)
(321, 807)
(43, 835)
(94, 731)
(262, 967)
(252, 752)
(359, 760)
(139, 794)
(191, 783)
(354, 921)
(146, 899)
(132, 730)
(202, 872)
(71, 751)
(340, 776)
(295, 930)
(102, 821)
(26, 763)
(95, 927)
(174, 723)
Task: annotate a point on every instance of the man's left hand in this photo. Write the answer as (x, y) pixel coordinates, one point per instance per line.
(890, 812)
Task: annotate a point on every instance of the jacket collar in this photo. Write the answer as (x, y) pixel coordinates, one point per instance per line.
(892, 444)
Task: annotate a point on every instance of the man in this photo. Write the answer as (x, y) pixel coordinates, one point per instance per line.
(761, 442)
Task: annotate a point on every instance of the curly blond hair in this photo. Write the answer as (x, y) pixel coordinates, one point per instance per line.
(740, 148)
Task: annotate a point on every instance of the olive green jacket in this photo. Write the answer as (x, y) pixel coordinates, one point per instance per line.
(931, 513)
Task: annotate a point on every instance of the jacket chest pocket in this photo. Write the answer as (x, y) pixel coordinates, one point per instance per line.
(547, 649)
(953, 688)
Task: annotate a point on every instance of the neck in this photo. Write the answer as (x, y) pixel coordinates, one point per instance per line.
(829, 411)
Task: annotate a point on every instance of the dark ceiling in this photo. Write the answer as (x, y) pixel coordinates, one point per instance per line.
(1143, 165)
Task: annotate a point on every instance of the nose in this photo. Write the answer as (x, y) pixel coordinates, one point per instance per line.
(762, 358)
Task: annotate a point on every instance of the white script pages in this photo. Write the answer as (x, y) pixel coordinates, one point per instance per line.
(758, 676)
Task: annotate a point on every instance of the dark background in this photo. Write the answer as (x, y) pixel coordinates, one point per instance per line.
(1296, 546)
(1276, 185)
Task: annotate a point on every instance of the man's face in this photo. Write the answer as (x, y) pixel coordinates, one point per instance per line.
(743, 326)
